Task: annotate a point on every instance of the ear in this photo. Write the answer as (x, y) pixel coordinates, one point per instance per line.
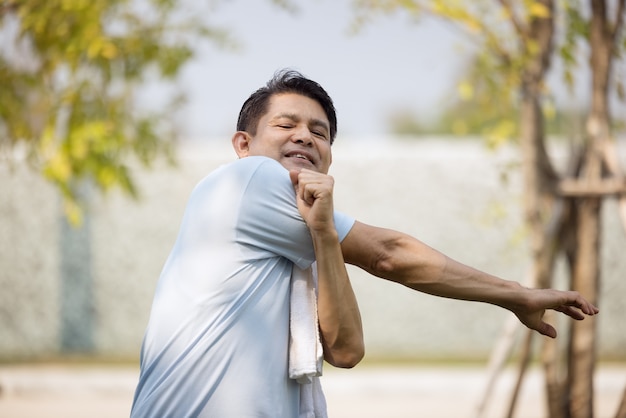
(241, 143)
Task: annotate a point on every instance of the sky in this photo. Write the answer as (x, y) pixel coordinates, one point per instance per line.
(391, 64)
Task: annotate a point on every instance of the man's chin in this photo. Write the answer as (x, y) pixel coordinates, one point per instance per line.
(298, 164)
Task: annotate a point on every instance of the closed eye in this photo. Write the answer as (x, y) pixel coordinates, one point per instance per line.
(319, 134)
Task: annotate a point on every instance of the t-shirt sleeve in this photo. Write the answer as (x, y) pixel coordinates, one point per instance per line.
(343, 224)
(270, 222)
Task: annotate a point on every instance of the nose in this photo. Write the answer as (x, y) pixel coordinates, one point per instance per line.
(303, 136)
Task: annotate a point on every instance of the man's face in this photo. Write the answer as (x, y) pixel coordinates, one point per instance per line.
(295, 132)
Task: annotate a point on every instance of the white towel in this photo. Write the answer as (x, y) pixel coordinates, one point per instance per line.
(306, 355)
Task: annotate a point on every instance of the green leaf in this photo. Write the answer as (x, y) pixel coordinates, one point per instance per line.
(67, 93)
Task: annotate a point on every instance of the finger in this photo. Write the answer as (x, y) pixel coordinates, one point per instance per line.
(590, 309)
(547, 330)
(309, 193)
(584, 305)
(571, 312)
(293, 175)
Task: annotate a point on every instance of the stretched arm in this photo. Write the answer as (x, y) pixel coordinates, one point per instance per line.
(338, 312)
(403, 259)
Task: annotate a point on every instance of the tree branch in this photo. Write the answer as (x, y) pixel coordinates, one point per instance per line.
(523, 367)
(7, 7)
(619, 20)
(520, 28)
(498, 49)
(606, 187)
(621, 409)
(497, 359)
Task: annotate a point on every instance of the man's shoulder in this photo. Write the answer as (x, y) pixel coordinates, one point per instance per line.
(249, 173)
(261, 171)
(255, 163)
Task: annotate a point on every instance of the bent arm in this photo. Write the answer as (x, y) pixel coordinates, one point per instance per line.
(338, 312)
(403, 259)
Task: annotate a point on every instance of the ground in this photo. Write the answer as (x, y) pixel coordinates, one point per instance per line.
(368, 391)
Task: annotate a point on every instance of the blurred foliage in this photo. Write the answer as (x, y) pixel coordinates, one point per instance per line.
(70, 70)
(488, 95)
(463, 119)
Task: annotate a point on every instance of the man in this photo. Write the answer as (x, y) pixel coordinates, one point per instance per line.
(217, 344)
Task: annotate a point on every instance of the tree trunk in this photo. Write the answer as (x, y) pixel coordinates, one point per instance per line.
(582, 337)
(586, 264)
(539, 183)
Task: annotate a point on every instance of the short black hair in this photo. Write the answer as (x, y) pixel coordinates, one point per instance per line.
(285, 81)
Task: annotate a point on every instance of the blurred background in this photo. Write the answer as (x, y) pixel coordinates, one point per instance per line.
(112, 111)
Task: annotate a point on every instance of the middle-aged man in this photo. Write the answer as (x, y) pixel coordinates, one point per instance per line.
(221, 340)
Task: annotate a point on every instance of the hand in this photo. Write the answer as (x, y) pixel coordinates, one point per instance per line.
(570, 303)
(314, 196)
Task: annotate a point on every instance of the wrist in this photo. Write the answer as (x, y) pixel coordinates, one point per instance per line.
(516, 296)
(324, 233)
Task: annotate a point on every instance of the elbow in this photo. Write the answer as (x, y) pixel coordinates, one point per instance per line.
(345, 354)
(384, 266)
(387, 263)
(347, 359)
(409, 262)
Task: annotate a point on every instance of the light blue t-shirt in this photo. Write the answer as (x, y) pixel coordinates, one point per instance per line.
(216, 344)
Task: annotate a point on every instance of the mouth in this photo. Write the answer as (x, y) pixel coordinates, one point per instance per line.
(301, 156)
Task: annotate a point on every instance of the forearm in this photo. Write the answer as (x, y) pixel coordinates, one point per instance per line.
(403, 259)
(456, 280)
(338, 311)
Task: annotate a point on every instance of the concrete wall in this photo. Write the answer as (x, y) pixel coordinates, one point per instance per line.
(68, 291)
